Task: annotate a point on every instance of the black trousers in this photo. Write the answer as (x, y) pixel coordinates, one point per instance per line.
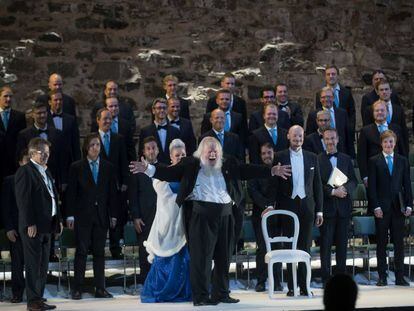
(116, 234)
(17, 267)
(274, 228)
(211, 233)
(238, 214)
(36, 259)
(334, 231)
(393, 221)
(306, 220)
(144, 265)
(90, 236)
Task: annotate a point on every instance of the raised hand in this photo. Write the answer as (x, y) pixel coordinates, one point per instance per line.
(136, 167)
(283, 171)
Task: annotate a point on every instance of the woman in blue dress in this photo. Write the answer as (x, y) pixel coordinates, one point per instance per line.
(169, 277)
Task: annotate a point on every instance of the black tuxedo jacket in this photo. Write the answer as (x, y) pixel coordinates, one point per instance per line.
(239, 106)
(8, 142)
(398, 117)
(70, 132)
(313, 186)
(187, 135)
(237, 125)
(59, 161)
(256, 120)
(261, 136)
(34, 201)
(68, 105)
(367, 101)
(184, 108)
(125, 112)
(263, 194)
(231, 144)
(313, 144)
(151, 130)
(187, 171)
(10, 213)
(296, 114)
(117, 156)
(384, 188)
(346, 102)
(342, 127)
(84, 196)
(369, 144)
(334, 206)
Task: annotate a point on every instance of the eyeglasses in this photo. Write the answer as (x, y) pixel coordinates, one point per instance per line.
(324, 120)
(42, 152)
(160, 108)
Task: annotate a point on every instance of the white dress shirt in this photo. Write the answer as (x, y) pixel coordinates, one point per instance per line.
(42, 135)
(48, 184)
(58, 122)
(162, 134)
(298, 173)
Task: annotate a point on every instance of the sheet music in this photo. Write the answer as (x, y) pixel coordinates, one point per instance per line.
(337, 178)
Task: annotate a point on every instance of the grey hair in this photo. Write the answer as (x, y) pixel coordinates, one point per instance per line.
(206, 141)
(327, 88)
(323, 112)
(176, 144)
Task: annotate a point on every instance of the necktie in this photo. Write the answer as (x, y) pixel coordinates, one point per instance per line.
(94, 165)
(5, 118)
(40, 131)
(221, 138)
(106, 143)
(114, 126)
(389, 163)
(162, 127)
(381, 128)
(274, 135)
(331, 111)
(330, 155)
(336, 99)
(227, 122)
(175, 122)
(388, 114)
(56, 115)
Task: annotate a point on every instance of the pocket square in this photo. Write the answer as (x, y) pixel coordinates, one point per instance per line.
(312, 168)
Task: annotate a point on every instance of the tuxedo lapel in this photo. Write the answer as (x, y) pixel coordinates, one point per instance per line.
(306, 167)
(39, 176)
(157, 137)
(88, 172)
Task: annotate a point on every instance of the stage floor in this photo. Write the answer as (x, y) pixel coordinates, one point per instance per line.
(369, 296)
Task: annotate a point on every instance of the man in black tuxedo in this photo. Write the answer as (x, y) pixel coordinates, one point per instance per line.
(314, 141)
(339, 121)
(56, 84)
(170, 85)
(302, 194)
(12, 122)
(113, 150)
(237, 104)
(395, 112)
(11, 225)
(267, 96)
(337, 204)
(58, 162)
(182, 124)
(163, 132)
(390, 197)
(91, 209)
(143, 204)
(293, 109)
(125, 109)
(39, 216)
(369, 143)
(262, 192)
(233, 120)
(268, 132)
(205, 181)
(342, 97)
(66, 123)
(370, 98)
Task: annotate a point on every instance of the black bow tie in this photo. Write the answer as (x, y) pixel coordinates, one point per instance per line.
(40, 131)
(56, 115)
(162, 127)
(330, 155)
(175, 122)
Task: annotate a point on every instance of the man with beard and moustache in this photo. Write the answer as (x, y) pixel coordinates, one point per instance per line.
(263, 194)
(205, 181)
(337, 204)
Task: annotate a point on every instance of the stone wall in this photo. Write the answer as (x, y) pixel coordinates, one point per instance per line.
(137, 42)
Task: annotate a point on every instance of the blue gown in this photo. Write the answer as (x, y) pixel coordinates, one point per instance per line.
(169, 277)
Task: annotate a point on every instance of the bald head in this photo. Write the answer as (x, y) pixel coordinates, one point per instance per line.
(295, 136)
(55, 82)
(217, 119)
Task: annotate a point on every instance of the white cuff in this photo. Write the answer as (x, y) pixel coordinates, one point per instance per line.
(365, 178)
(150, 171)
(319, 214)
(408, 208)
(377, 208)
(332, 192)
(70, 218)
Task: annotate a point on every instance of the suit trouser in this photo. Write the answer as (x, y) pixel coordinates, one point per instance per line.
(144, 265)
(36, 259)
(94, 236)
(238, 214)
(17, 267)
(274, 229)
(393, 221)
(211, 233)
(334, 231)
(306, 220)
(116, 234)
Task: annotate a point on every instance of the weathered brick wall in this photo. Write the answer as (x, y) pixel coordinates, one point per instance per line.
(137, 42)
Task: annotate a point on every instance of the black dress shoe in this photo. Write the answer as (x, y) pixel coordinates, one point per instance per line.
(305, 293)
(53, 258)
(117, 256)
(45, 306)
(382, 282)
(207, 302)
(35, 306)
(278, 287)
(290, 293)
(401, 282)
(102, 293)
(227, 299)
(43, 299)
(16, 299)
(76, 295)
(260, 287)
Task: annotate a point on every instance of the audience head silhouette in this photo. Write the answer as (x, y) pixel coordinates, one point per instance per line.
(340, 293)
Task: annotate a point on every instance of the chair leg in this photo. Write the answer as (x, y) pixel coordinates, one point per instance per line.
(294, 277)
(353, 257)
(248, 271)
(308, 277)
(235, 274)
(59, 274)
(68, 274)
(124, 273)
(270, 279)
(369, 269)
(409, 259)
(135, 276)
